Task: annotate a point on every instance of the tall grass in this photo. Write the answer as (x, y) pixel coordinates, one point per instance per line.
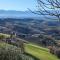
(10, 52)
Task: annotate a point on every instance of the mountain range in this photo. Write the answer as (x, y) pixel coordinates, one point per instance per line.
(16, 14)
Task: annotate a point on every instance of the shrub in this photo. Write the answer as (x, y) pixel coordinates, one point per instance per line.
(9, 52)
(58, 53)
(51, 49)
(54, 50)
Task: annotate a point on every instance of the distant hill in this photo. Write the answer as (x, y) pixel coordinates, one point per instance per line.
(16, 14)
(25, 14)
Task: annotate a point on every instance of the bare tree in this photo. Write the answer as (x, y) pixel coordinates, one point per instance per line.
(50, 8)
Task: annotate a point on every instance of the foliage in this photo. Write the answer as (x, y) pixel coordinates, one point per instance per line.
(10, 52)
(3, 36)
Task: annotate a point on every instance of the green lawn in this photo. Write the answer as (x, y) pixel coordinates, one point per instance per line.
(39, 52)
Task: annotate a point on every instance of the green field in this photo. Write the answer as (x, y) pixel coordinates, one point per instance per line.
(39, 52)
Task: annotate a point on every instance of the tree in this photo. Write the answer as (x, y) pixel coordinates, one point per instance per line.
(49, 7)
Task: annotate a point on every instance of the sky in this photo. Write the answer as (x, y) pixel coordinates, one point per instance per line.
(19, 5)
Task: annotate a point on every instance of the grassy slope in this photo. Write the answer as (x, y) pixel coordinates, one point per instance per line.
(12, 52)
(6, 35)
(39, 52)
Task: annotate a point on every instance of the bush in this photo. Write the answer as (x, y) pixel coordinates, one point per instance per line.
(51, 49)
(54, 50)
(9, 52)
(58, 53)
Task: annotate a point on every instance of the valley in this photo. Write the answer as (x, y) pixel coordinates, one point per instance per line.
(31, 29)
(35, 37)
